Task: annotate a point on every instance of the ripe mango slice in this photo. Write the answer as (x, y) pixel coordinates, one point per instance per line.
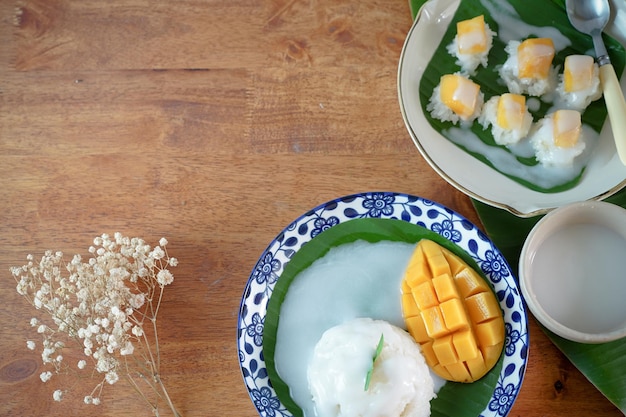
(534, 58)
(460, 94)
(472, 35)
(452, 313)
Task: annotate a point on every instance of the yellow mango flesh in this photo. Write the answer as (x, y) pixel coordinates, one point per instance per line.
(511, 110)
(578, 73)
(452, 313)
(567, 126)
(459, 94)
(472, 35)
(534, 58)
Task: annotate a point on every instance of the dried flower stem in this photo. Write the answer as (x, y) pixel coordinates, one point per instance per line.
(102, 306)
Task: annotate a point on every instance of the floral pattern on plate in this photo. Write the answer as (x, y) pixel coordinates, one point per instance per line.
(385, 205)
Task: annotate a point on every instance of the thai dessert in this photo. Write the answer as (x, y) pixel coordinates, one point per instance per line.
(472, 44)
(369, 368)
(558, 139)
(450, 310)
(529, 69)
(508, 116)
(580, 82)
(351, 281)
(456, 99)
(341, 345)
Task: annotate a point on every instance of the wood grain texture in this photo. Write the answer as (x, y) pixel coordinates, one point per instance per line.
(214, 123)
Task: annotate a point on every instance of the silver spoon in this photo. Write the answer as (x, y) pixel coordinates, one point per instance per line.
(590, 17)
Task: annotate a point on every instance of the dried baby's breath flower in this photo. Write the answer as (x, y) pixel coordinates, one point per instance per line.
(57, 395)
(100, 308)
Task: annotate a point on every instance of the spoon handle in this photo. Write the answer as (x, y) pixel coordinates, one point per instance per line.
(616, 108)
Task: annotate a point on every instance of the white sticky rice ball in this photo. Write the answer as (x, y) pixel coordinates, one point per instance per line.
(546, 151)
(582, 96)
(509, 73)
(400, 386)
(489, 117)
(470, 62)
(439, 110)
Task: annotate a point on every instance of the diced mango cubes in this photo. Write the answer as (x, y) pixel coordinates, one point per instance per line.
(424, 295)
(567, 127)
(578, 73)
(418, 329)
(444, 350)
(472, 35)
(444, 287)
(482, 307)
(511, 111)
(465, 345)
(534, 58)
(434, 323)
(452, 313)
(459, 94)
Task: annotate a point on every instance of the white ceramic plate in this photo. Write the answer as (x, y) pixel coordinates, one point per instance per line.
(380, 205)
(604, 176)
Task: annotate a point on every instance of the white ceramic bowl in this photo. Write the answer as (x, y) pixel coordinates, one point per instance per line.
(573, 271)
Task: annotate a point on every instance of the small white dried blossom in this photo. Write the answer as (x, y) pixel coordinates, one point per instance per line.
(112, 377)
(34, 322)
(128, 349)
(57, 395)
(45, 376)
(165, 277)
(105, 363)
(81, 364)
(95, 401)
(163, 241)
(157, 253)
(137, 300)
(30, 345)
(46, 354)
(137, 331)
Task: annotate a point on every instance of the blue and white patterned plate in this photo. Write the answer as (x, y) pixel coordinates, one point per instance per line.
(384, 205)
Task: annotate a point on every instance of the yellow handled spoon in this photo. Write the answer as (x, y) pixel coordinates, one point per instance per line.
(590, 17)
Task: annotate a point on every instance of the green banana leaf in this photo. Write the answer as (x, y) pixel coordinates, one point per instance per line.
(552, 14)
(603, 364)
(454, 399)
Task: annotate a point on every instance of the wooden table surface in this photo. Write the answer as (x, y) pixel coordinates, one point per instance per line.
(214, 123)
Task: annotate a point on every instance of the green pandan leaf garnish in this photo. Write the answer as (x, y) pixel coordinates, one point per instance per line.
(379, 349)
